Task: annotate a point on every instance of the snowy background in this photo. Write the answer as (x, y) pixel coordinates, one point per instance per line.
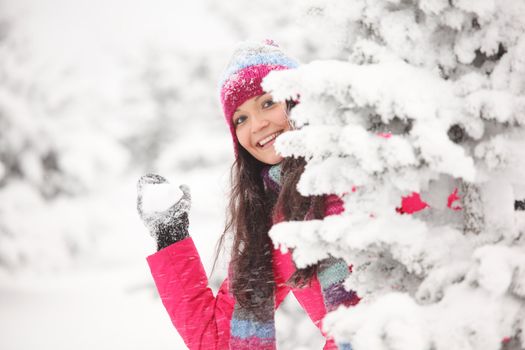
(94, 94)
(405, 96)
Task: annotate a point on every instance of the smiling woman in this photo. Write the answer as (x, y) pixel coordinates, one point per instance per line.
(263, 193)
(258, 121)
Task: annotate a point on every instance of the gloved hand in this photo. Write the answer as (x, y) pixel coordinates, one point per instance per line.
(168, 226)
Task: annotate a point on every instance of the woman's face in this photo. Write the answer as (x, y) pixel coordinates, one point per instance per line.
(257, 122)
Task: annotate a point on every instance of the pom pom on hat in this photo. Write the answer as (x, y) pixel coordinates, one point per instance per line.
(241, 80)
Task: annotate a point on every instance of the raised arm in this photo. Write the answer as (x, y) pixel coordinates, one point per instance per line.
(202, 319)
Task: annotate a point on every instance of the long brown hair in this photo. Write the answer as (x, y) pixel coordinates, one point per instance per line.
(249, 218)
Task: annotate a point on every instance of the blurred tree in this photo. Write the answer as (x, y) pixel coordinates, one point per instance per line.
(51, 154)
(26, 151)
(172, 114)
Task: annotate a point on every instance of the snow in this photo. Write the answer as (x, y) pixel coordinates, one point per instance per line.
(86, 310)
(401, 81)
(397, 322)
(98, 93)
(160, 197)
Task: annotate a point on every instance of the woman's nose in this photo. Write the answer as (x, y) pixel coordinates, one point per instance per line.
(259, 123)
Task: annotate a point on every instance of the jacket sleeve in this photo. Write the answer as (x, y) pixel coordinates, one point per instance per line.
(202, 319)
(334, 205)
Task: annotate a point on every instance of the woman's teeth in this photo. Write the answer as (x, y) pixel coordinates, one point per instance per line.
(268, 139)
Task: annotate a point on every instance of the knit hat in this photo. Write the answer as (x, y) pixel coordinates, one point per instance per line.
(241, 80)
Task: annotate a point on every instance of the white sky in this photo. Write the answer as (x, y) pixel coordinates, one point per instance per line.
(91, 38)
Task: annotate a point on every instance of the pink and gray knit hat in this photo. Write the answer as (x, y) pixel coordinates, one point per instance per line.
(241, 80)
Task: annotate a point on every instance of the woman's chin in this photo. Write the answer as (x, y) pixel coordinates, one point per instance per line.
(271, 159)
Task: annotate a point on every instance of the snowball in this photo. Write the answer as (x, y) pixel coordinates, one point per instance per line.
(159, 197)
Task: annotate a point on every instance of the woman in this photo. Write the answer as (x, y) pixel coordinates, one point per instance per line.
(263, 193)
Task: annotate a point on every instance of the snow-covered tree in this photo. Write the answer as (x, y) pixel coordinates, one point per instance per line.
(427, 108)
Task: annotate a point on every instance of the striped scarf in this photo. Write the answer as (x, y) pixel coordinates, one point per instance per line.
(249, 332)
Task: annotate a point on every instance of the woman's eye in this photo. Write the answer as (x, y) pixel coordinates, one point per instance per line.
(239, 120)
(268, 103)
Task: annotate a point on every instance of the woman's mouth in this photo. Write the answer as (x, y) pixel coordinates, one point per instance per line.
(268, 140)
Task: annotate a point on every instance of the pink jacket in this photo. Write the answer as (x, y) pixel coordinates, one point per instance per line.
(202, 319)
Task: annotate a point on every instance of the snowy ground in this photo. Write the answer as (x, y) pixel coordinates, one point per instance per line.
(111, 307)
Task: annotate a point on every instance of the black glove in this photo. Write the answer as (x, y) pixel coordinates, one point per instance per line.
(168, 226)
